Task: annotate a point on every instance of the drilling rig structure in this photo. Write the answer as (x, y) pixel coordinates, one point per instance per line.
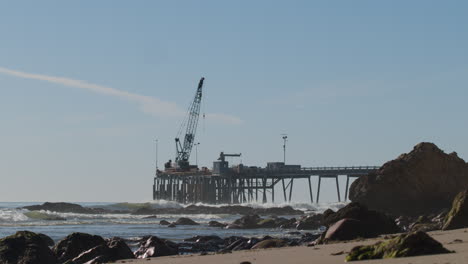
(189, 125)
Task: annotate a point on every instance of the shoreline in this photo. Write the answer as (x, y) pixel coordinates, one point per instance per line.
(454, 240)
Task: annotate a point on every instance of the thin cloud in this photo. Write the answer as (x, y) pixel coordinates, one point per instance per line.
(147, 104)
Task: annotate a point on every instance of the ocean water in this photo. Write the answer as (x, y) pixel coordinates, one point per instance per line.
(13, 218)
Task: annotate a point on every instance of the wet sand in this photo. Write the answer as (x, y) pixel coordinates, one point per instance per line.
(455, 240)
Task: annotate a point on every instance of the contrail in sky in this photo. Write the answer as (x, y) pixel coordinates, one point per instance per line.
(148, 104)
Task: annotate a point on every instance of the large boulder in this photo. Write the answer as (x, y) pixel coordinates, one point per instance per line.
(25, 247)
(310, 222)
(247, 222)
(185, 221)
(156, 247)
(420, 182)
(114, 249)
(405, 245)
(74, 244)
(347, 229)
(376, 223)
(458, 215)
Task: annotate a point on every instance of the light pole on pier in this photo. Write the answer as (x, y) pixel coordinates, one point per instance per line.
(285, 137)
(156, 156)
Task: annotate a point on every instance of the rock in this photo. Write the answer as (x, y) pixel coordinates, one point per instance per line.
(150, 217)
(310, 222)
(216, 224)
(185, 221)
(119, 249)
(114, 249)
(63, 208)
(238, 244)
(347, 229)
(49, 241)
(270, 243)
(204, 239)
(248, 221)
(267, 223)
(289, 223)
(156, 247)
(286, 210)
(172, 225)
(74, 244)
(164, 222)
(420, 182)
(458, 215)
(26, 248)
(405, 245)
(231, 209)
(377, 223)
(425, 224)
(308, 237)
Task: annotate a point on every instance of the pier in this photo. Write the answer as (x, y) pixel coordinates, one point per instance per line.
(243, 184)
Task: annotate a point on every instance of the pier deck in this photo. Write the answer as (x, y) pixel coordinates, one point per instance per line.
(246, 184)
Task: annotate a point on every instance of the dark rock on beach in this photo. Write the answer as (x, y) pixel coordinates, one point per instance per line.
(49, 241)
(458, 215)
(310, 222)
(156, 247)
(377, 223)
(74, 244)
(405, 245)
(423, 181)
(114, 249)
(270, 243)
(347, 229)
(25, 247)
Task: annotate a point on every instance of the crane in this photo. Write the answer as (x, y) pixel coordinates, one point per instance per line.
(189, 124)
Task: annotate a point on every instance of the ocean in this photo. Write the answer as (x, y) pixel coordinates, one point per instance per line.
(133, 227)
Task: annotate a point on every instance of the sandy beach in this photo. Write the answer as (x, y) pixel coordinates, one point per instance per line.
(454, 240)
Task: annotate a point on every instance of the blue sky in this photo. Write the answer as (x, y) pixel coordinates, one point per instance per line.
(87, 87)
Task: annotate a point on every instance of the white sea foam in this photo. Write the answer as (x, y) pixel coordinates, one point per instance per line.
(12, 215)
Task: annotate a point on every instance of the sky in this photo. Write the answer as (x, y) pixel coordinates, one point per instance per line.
(87, 87)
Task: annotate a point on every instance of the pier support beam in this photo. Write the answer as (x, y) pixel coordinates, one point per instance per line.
(310, 191)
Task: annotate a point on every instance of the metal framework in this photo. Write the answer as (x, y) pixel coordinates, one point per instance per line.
(246, 186)
(190, 124)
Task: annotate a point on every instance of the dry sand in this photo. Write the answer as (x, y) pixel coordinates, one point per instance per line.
(456, 240)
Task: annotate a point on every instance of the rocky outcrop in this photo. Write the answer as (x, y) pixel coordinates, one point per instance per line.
(310, 222)
(114, 249)
(231, 209)
(74, 244)
(164, 222)
(185, 221)
(156, 247)
(376, 223)
(420, 182)
(346, 229)
(270, 243)
(255, 221)
(458, 215)
(406, 245)
(64, 208)
(25, 247)
(216, 224)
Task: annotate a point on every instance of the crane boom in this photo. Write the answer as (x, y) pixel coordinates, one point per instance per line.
(190, 123)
